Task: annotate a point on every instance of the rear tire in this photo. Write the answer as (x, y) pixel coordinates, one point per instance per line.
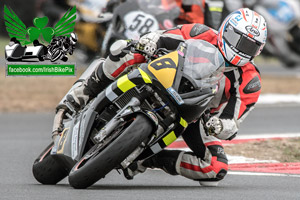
(47, 170)
(95, 168)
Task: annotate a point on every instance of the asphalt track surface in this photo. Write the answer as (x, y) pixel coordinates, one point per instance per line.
(24, 135)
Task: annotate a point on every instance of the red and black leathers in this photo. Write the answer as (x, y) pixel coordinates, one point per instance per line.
(242, 84)
(208, 161)
(241, 90)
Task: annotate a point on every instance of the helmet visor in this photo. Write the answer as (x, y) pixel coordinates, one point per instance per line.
(241, 42)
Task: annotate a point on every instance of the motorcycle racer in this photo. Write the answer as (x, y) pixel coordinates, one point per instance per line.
(240, 39)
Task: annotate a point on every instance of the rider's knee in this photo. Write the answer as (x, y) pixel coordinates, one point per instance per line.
(213, 182)
(221, 175)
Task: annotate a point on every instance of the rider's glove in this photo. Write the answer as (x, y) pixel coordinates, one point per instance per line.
(148, 42)
(214, 126)
(117, 47)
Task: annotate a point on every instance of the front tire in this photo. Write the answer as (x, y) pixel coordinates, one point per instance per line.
(96, 167)
(47, 170)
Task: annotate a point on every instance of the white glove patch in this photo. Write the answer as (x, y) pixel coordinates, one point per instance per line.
(148, 42)
(214, 126)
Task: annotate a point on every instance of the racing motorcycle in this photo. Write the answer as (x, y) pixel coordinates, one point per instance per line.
(133, 18)
(135, 117)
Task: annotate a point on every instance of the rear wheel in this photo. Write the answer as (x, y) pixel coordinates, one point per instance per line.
(47, 170)
(90, 169)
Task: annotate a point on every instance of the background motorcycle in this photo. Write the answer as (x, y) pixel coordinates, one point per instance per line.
(133, 118)
(93, 20)
(283, 18)
(133, 18)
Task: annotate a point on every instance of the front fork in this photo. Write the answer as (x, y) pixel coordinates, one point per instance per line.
(129, 109)
(132, 107)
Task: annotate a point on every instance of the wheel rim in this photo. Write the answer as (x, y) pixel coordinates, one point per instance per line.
(96, 149)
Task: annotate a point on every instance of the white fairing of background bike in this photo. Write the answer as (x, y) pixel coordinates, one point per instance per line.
(280, 15)
(138, 23)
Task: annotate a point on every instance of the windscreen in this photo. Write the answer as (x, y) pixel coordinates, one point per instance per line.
(204, 64)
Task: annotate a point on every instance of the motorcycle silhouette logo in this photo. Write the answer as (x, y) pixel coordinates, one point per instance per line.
(61, 38)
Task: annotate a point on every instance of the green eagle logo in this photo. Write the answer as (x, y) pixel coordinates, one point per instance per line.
(16, 28)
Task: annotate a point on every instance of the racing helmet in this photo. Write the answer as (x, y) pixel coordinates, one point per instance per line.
(73, 38)
(242, 36)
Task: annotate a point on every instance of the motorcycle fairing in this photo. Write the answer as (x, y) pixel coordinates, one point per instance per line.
(70, 145)
(164, 68)
(137, 77)
(62, 141)
(165, 139)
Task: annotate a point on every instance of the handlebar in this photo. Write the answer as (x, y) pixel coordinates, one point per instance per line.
(134, 47)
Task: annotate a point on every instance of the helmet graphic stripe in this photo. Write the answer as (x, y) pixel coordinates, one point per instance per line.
(244, 16)
(236, 60)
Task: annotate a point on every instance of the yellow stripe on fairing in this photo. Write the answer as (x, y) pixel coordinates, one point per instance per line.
(145, 76)
(171, 137)
(183, 122)
(124, 84)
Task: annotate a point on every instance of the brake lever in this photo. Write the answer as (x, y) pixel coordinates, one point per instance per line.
(132, 48)
(204, 118)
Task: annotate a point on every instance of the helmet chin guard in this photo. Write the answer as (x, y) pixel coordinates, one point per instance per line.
(242, 36)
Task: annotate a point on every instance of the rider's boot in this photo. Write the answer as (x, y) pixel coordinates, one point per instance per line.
(89, 88)
(165, 160)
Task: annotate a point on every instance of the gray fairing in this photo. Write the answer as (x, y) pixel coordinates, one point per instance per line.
(204, 66)
(76, 137)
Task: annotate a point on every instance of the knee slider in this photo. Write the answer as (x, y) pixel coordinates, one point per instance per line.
(222, 173)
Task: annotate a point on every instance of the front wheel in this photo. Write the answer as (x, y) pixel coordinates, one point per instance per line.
(47, 170)
(90, 169)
